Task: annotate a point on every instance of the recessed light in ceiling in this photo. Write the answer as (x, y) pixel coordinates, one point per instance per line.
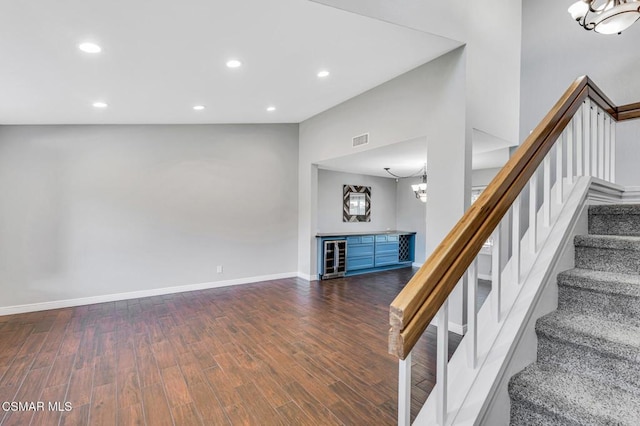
(89, 47)
(271, 108)
(100, 105)
(323, 73)
(233, 63)
(198, 107)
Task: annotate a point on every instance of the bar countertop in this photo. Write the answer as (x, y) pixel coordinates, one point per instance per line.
(349, 234)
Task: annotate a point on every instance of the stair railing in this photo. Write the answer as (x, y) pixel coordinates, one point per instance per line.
(576, 138)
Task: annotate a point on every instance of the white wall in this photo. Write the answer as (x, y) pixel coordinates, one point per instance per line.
(482, 177)
(429, 102)
(383, 202)
(411, 214)
(95, 210)
(556, 50)
(490, 29)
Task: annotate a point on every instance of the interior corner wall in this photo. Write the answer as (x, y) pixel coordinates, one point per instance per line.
(556, 54)
(330, 202)
(89, 211)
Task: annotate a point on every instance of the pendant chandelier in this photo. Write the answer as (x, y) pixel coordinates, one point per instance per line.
(605, 16)
(420, 189)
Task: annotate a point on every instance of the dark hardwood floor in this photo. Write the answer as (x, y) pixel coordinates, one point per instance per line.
(279, 352)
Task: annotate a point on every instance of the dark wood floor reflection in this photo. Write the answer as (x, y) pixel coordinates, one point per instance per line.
(279, 352)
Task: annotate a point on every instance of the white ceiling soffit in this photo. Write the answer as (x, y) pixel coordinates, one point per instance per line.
(161, 58)
(484, 142)
(403, 159)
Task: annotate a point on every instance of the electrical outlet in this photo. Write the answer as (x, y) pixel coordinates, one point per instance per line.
(219, 269)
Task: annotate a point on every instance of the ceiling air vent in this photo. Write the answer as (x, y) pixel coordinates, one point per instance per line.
(361, 140)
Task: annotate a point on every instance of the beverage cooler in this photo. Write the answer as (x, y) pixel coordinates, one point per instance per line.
(335, 259)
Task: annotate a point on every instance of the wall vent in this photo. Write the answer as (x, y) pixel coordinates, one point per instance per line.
(361, 140)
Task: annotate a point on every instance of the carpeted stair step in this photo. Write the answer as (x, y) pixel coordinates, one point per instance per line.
(608, 295)
(609, 253)
(606, 351)
(617, 219)
(553, 397)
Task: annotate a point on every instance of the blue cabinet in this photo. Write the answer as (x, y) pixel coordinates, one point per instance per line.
(386, 250)
(360, 252)
(372, 252)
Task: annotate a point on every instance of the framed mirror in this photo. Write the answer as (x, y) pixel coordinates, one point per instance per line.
(356, 203)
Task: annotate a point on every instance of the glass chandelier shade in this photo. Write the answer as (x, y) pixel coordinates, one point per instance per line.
(420, 189)
(605, 16)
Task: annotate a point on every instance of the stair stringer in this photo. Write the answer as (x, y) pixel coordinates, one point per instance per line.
(479, 396)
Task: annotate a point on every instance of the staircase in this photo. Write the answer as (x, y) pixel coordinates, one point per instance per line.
(588, 367)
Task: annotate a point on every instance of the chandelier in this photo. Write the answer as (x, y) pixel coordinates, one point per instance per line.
(605, 16)
(420, 189)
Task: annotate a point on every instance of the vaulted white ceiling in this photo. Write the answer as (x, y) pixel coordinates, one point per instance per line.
(160, 58)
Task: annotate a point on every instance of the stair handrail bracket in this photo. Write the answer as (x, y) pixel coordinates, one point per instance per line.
(577, 131)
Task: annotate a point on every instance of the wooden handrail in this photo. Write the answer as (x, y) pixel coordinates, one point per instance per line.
(413, 309)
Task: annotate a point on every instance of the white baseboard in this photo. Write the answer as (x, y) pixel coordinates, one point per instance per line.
(484, 277)
(416, 265)
(67, 303)
(307, 277)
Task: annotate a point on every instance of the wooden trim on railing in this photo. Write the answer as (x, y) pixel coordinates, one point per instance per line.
(628, 112)
(416, 305)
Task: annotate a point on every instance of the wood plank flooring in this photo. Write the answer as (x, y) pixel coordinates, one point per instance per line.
(275, 353)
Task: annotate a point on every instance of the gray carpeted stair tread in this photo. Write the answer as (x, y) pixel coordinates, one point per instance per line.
(601, 281)
(607, 337)
(570, 399)
(588, 368)
(619, 219)
(617, 242)
(615, 209)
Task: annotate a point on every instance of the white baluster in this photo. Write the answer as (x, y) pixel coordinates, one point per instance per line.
(580, 141)
(472, 314)
(442, 360)
(570, 159)
(593, 137)
(546, 191)
(560, 167)
(496, 275)
(404, 391)
(533, 212)
(515, 239)
(613, 153)
(607, 147)
(586, 135)
(601, 143)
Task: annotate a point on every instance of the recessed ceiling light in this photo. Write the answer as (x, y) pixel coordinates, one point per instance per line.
(198, 107)
(271, 108)
(323, 73)
(100, 105)
(233, 63)
(89, 47)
